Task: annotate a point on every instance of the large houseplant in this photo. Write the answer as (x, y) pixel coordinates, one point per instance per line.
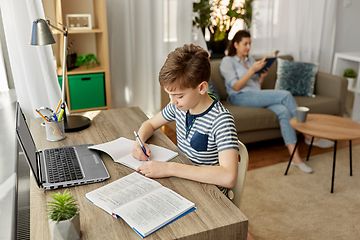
(64, 221)
(219, 17)
(225, 16)
(203, 11)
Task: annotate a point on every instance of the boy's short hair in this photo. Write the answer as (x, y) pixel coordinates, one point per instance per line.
(185, 67)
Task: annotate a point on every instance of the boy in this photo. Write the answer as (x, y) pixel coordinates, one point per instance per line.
(205, 128)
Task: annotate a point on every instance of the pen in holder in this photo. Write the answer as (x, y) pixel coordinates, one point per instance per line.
(55, 130)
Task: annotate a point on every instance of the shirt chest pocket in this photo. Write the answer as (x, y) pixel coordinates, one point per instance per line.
(199, 141)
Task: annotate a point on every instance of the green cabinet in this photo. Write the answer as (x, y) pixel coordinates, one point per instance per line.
(60, 81)
(86, 91)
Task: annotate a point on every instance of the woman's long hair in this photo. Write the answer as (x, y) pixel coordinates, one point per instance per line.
(237, 38)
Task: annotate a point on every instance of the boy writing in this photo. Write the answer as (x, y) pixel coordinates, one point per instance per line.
(205, 128)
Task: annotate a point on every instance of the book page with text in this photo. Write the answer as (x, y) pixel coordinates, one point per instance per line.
(154, 210)
(122, 191)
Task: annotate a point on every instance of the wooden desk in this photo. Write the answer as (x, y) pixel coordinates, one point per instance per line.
(216, 216)
(329, 127)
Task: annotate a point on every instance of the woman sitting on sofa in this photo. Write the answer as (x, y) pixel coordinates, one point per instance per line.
(243, 87)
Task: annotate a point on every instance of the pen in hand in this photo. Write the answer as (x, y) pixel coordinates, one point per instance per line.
(141, 144)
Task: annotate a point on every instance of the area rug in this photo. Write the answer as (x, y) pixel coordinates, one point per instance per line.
(300, 205)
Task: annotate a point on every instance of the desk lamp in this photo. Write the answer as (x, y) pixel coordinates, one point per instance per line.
(42, 35)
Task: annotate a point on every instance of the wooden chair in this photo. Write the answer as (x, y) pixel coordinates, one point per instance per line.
(236, 192)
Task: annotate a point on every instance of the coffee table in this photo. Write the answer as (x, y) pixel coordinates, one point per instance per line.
(329, 127)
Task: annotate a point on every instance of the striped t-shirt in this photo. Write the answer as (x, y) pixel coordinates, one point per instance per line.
(201, 137)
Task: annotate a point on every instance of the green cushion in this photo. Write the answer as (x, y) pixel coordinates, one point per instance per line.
(296, 77)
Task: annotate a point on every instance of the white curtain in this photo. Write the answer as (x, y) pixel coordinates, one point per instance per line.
(304, 29)
(3, 78)
(32, 67)
(141, 34)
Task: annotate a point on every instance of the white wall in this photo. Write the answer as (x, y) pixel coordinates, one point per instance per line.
(347, 30)
(347, 37)
(347, 27)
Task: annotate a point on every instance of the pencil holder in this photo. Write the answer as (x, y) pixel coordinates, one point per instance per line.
(55, 130)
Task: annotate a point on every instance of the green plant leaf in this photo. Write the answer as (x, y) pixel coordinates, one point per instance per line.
(63, 208)
(80, 60)
(349, 73)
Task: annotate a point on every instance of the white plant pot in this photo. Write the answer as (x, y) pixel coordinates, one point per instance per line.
(351, 83)
(65, 230)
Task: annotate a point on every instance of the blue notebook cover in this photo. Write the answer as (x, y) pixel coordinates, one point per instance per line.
(188, 211)
(269, 61)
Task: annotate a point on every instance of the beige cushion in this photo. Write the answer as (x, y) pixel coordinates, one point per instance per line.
(320, 104)
(250, 118)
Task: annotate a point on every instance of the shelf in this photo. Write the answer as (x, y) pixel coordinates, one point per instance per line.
(351, 56)
(88, 109)
(341, 62)
(78, 31)
(82, 41)
(352, 90)
(82, 70)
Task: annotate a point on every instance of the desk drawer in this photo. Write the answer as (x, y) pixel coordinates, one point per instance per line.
(86, 91)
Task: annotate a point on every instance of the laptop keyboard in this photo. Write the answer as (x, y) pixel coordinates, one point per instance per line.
(62, 165)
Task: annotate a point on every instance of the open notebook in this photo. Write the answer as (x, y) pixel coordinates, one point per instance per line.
(120, 151)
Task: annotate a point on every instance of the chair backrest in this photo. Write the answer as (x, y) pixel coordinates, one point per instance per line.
(236, 192)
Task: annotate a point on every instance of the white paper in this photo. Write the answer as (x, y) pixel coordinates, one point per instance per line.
(120, 151)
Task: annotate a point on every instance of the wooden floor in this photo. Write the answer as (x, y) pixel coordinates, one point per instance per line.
(270, 152)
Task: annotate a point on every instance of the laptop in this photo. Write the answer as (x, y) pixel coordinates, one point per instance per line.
(59, 167)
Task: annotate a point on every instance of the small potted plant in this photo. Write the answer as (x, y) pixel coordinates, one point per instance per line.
(350, 74)
(63, 216)
(86, 59)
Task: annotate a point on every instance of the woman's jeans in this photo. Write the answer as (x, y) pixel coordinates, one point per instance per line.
(281, 102)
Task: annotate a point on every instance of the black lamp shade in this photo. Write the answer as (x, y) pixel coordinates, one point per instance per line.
(41, 33)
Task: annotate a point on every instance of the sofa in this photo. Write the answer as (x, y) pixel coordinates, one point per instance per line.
(260, 124)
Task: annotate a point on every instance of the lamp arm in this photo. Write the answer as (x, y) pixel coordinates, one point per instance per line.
(59, 29)
(64, 71)
(65, 32)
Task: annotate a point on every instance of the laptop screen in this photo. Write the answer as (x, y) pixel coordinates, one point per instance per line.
(26, 141)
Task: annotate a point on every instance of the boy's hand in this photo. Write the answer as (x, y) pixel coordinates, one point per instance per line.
(154, 169)
(138, 153)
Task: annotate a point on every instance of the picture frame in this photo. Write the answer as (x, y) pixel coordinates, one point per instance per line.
(78, 21)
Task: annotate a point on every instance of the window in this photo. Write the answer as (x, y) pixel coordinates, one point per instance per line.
(3, 77)
(170, 16)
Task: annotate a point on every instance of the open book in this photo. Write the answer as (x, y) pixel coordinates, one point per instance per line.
(269, 61)
(120, 151)
(143, 203)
